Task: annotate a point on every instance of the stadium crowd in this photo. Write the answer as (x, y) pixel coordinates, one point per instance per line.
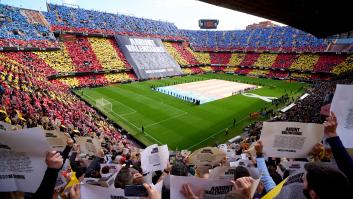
(50, 106)
(28, 99)
(285, 39)
(20, 28)
(271, 171)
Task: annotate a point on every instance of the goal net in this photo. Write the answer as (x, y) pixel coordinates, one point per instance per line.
(104, 105)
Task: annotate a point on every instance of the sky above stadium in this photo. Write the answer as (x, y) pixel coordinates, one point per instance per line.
(183, 13)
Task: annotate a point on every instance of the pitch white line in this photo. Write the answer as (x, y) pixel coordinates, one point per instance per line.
(145, 132)
(132, 110)
(218, 132)
(175, 116)
(121, 117)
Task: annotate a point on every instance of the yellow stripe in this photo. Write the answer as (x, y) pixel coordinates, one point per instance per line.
(106, 53)
(175, 54)
(305, 62)
(58, 60)
(236, 59)
(266, 60)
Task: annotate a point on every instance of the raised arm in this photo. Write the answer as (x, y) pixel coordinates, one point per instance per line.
(266, 178)
(343, 159)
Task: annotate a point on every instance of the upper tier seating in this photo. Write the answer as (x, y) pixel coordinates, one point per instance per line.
(270, 39)
(24, 28)
(91, 21)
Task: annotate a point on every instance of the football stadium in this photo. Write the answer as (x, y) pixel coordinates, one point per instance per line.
(96, 104)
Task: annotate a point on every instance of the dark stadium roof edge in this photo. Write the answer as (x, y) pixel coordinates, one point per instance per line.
(320, 18)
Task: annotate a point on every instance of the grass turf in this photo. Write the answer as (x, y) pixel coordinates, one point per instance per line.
(180, 124)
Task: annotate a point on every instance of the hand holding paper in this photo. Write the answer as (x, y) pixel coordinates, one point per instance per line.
(259, 147)
(189, 194)
(152, 193)
(70, 142)
(243, 185)
(75, 192)
(54, 160)
(331, 125)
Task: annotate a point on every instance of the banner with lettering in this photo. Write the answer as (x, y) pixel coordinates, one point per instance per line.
(98, 192)
(290, 139)
(213, 189)
(148, 57)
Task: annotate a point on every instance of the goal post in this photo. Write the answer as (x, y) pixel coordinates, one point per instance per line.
(104, 105)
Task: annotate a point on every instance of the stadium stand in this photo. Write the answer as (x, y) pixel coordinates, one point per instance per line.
(71, 19)
(345, 66)
(35, 90)
(175, 54)
(236, 59)
(220, 58)
(325, 63)
(58, 60)
(250, 59)
(256, 72)
(278, 74)
(185, 52)
(265, 60)
(82, 55)
(106, 54)
(24, 28)
(284, 60)
(305, 62)
(201, 57)
(285, 39)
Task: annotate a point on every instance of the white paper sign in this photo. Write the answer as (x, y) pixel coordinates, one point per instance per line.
(97, 192)
(213, 189)
(56, 139)
(5, 126)
(241, 162)
(294, 166)
(89, 145)
(290, 139)
(342, 106)
(222, 172)
(113, 168)
(154, 158)
(22, 159)
(158, 187)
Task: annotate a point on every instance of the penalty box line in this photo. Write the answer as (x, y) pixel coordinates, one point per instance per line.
(121, 117)
(137, 128)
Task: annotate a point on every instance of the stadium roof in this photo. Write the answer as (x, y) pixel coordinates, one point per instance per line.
(320, 18)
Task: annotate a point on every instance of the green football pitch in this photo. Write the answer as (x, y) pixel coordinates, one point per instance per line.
(181, 124)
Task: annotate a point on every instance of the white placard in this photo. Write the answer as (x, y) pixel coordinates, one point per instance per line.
(241, 162)
(154, 158)
(5, 126)
(158, 187)
(113, 168)
(56, 139)
(294, 166)
(214, 189)
(222, 172)
(97, 192)
(290, 139)
(89, 145)
(22, 159)
(342, 106)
